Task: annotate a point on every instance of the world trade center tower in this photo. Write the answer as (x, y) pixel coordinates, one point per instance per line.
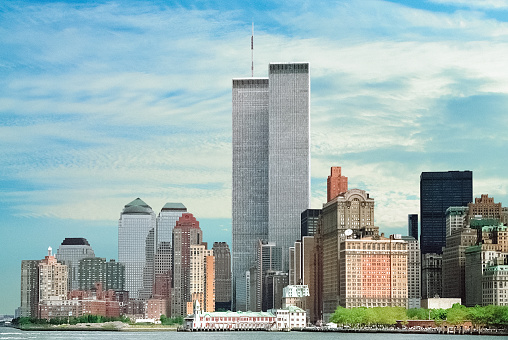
(271, 166)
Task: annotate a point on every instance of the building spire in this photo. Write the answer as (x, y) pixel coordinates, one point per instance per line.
(252, 50)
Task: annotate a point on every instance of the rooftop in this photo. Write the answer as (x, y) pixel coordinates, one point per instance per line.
(75, 241)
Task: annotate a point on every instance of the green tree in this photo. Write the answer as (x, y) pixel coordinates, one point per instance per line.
(457, 314)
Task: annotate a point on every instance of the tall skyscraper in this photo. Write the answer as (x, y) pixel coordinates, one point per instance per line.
(336, 183)
(222, 276)
(70, 252)
(185, 233)
(29, 288)
(166, 221)
(271, 164)
(438, 192)
(412, 225)
(288, 153)
(309, 221)
(136, 228)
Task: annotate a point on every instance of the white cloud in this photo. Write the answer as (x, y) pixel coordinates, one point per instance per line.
(109, 102)
(483, 4)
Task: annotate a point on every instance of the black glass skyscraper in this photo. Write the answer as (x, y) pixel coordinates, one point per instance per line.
(412, 225)
(438, 192)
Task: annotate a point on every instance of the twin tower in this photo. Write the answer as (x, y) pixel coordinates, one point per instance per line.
(271, 165)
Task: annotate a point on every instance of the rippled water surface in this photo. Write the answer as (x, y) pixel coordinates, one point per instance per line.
(12, 333)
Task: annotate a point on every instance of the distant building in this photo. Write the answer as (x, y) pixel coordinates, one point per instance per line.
(309, 221)
(53, 278)
(456, 219)
(438, 192)
(202, 278)
(336, 184)
(373, 272)
(412, 225)
(185, 234)
(295, 295)
(115, 276)
(291, 317)
(136, 247)
(222, 276)
(432, 283)
(269, 259)
(248, 321)
(414, 293)
(491, 252)
(29, 288)
(495, 283)
(70, 252)
(439, 303)
(353, 210)
(485, 208)
(166, 221)
(454, 262)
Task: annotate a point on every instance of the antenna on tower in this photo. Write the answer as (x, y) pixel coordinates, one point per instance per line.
(252, 50)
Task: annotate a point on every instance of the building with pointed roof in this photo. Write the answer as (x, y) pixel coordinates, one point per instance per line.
(136, 247)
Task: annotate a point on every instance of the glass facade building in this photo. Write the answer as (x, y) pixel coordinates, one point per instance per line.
(271, 165)
(438, 192)
(136, 231)
(70, 252)
(309, 222)
(412, 225)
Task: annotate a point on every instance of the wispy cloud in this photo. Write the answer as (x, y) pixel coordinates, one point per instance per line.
(101, 103)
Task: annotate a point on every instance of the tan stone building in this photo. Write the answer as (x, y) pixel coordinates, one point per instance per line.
(373, 272)
(454, 262)
(353, 210)
(484, 207)
(202, 278)
(53, 278)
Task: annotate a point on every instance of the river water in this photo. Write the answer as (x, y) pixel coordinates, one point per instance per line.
(12, 333)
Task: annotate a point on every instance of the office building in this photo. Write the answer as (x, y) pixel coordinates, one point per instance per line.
(412, 225)
(136, 231)
(53, 278)
(115, 276)
(29, 288)
(484, 207)
(271, 165)
(454, 262)
(373, 272)
(269, 260)
(202, 278)
(166, 221)
(222, 276)
(336, 183)
(185, 234)
(456, 219)
(353, 210)
(70, 252)
(438, 192)
(491, 251)
(432, 280)
(309, 221)
(90, 271)
(414, 293)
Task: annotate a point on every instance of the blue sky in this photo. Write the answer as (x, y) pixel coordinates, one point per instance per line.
(102, 102)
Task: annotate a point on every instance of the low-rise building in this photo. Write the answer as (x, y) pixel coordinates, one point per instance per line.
(253, 321)
(290, 317)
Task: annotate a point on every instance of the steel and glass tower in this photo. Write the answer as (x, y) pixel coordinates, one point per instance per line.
(136, 247)
(271, 165)
(438, 192)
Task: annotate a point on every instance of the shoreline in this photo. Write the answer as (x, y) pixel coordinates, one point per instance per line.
(120, 327)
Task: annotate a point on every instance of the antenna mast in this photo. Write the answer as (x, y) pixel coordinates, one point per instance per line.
(252, 51)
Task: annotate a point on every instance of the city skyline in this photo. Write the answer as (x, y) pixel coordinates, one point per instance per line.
(105, 102)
